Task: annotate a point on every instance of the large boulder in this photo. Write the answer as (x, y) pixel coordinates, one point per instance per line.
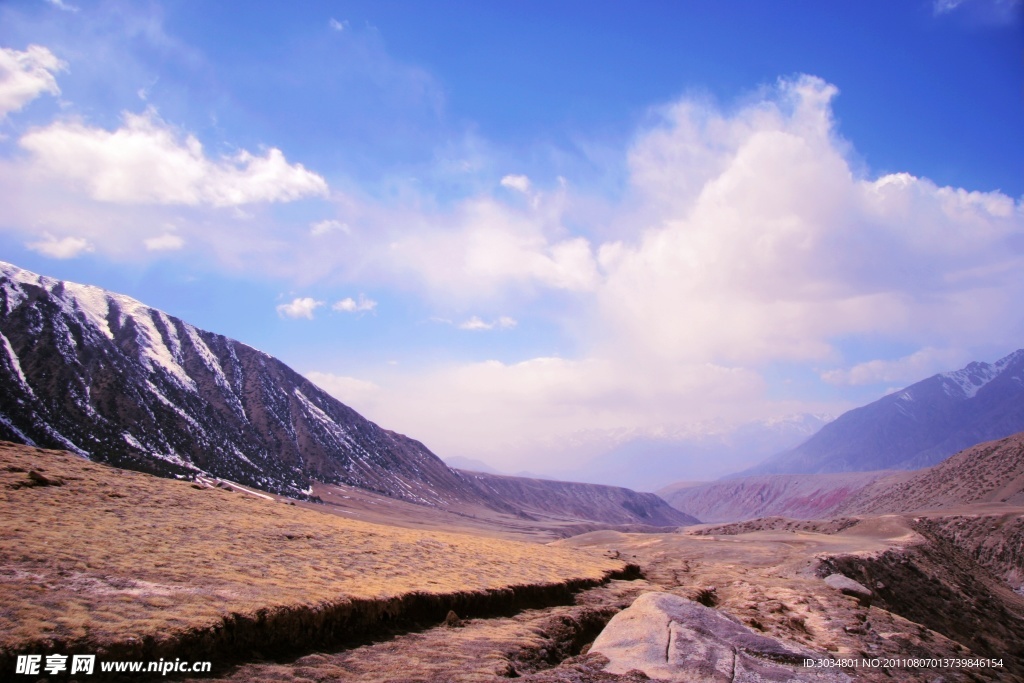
(848, 586)
(674, 639)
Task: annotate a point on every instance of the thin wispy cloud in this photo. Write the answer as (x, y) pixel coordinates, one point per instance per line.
(63, 6)
(984, 12)
(324, 227)
(62, 248)
(25, 75)
(164, 242)
(477, 324)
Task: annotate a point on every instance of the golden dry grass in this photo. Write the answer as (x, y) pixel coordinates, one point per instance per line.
(111, 555)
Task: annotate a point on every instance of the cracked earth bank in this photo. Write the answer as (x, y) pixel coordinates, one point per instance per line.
(930, 601)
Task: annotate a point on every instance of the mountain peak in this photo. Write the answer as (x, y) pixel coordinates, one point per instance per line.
(968, 381)
(918, 426)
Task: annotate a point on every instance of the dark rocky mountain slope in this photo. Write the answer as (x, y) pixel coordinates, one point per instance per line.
(105, 376)
(918, 426)
(102, 375)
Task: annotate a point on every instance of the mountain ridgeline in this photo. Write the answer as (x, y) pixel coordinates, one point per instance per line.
(102, 375)
(918, 426)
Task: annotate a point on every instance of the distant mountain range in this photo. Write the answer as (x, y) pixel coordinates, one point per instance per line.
(916, 427)
(646, 460)
(103, 375)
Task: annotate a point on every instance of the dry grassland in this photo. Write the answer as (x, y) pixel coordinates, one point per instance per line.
(93, 556)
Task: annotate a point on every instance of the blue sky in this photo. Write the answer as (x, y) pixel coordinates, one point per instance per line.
(501, 227)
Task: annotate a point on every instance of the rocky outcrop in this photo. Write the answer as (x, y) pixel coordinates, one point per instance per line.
(937, 585)
(674, 639)
(848, 586)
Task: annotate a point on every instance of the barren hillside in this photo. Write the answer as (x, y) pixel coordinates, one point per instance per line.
(611, 504)
(143, 567)
(799, 496)
(991, 472)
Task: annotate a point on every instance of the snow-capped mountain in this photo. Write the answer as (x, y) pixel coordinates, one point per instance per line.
(103, 375)
(918, 426)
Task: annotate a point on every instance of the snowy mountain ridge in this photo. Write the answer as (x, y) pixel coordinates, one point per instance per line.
(918, 426)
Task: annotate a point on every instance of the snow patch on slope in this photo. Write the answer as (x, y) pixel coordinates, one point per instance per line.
(970, 380)
(15, 363)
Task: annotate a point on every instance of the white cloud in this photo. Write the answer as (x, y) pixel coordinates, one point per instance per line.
(983, 12)
(484, 249)
(764, 245)
(907, 370)
(61, 248)
(324, 227)
(300, 307)
(164, 242)
(147, 162)
(516, 182)
(350, 305)
(355, 393)
(477, 324)
(25, 76)
(521, 414)
(337, 25)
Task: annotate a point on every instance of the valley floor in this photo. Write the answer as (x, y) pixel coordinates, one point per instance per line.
(938, 604)
(94, 559)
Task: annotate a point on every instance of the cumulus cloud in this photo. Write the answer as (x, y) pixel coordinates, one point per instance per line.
(477, 324)
(763, 244)
(748, 238)
(516, 182)
(146, 161)
(61, 248)
(25, 76)
(300, 307)
(350, 305)
(164, 242)
(485, 248)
